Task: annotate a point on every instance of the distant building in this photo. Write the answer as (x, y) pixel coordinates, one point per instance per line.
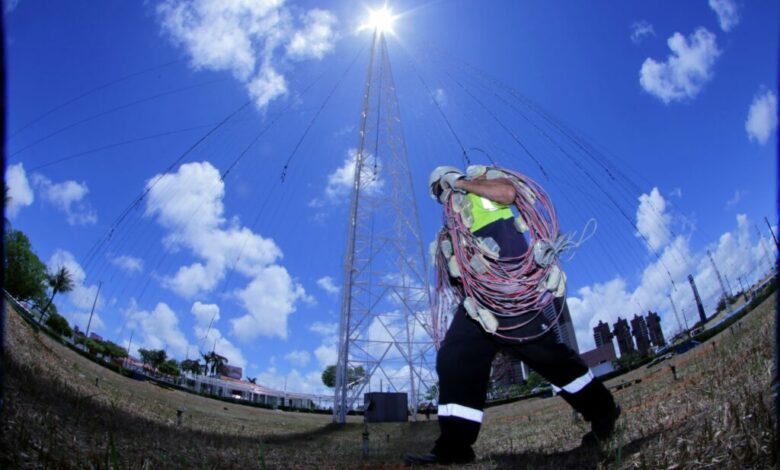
(654, 328)
(507, 370)
(242, 390)
(564, 330)
(602, 335)
(95, 336)
(623, 335)
(599, 360)
(641, 335)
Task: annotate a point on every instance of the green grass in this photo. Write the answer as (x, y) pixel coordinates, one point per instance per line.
(717, 414)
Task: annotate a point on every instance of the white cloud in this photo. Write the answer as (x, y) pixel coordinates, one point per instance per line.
(735, 254)
(251, 39)
(762, 117)
(205, 314)
(298, 358)
(640, 29)
(327, 352)
(685, 71)
(209, 336)
(69, 197)
(266, 86)
(19, 189)
(82, 296)
(129, 264)
(81, 299)
(213, 339)
(324, 329)
(316, 38)
(189, 205)
(327, 284)
(294, 381)
(341, 180)
(652, 219)
(82, 320)
(189, 281)
(270, 298)
(156, 329)
(728, 16)
(738, 196)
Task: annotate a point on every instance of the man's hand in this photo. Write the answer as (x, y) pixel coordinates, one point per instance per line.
(450, 180)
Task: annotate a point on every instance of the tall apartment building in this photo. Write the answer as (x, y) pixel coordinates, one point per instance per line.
(507, 370)
(602, 334)
(564, 331)
(623, 335)
(640, 333)
(654, 328)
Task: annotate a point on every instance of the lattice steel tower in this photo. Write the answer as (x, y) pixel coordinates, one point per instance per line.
(385, 309)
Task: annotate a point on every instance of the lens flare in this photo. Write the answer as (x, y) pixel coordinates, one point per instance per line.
(381, 20)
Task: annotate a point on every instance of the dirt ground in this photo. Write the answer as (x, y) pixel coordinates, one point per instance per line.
(63, 411)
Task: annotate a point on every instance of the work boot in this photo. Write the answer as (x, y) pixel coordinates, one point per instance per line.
(601, 428)
(434, 459)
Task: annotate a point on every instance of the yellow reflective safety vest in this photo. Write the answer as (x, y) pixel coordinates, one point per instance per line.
(486, 211)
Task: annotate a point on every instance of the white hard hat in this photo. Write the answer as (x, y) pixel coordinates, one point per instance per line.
(436, 175)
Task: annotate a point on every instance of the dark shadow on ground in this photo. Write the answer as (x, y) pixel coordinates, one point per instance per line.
(325, 430)
(578, 458)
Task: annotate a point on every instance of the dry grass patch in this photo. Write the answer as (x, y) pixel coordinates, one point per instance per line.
(716, 414)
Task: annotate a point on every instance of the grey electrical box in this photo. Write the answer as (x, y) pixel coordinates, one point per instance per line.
(385, 407)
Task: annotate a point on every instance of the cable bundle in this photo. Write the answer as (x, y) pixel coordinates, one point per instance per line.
(502, 294)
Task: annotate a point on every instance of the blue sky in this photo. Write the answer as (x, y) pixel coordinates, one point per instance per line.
(105, 97)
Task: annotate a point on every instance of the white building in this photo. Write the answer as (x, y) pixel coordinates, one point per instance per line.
(242, 390)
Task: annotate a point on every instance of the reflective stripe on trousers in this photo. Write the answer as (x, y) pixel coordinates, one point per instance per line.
(460, 411)
(577, 384)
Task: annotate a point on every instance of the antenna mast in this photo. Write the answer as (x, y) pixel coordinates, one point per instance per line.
(384, 331)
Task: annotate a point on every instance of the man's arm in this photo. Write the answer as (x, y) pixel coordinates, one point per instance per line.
(500, 190)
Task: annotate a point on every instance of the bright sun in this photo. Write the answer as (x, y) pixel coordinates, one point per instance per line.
(381, 19)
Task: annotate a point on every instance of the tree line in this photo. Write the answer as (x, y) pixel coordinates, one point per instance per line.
(28, 280)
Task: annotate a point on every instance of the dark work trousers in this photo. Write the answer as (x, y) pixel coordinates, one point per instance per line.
(463, 364)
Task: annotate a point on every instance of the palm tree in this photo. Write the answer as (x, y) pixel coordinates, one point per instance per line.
(6, 203)
(60, 281)
(207, 361)
(192, 365)
(217, 362)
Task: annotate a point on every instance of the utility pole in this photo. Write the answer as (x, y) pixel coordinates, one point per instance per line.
(763, 247)
(699, 305)
(726, 297)
(677, 315)
(89, 323)
(772, 232)
(129, 342)
(728, 284)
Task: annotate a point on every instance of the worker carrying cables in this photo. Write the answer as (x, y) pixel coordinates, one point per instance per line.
(498, 270)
